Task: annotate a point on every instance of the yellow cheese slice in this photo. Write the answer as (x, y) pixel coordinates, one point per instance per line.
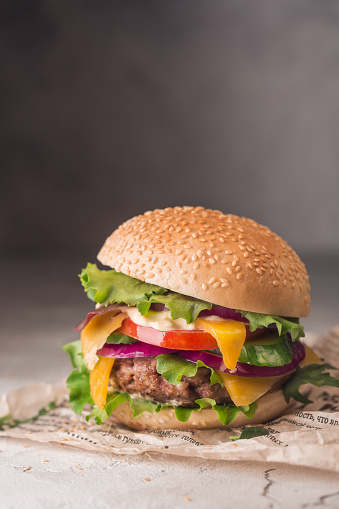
(98, 380)
(244, 390)
(310, 357)
(230, 336)
(94, 335)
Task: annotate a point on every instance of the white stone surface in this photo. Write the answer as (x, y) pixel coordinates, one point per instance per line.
(77, 479)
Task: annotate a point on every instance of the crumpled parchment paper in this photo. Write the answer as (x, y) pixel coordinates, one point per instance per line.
(304, 435)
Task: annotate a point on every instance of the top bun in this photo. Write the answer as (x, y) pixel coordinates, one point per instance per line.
(220, 258)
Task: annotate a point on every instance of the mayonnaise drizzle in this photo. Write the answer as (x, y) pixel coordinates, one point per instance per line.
(161, 320)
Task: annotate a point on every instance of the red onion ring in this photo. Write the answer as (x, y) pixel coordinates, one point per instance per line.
(133, 350)
(212, 360)
(243, 369)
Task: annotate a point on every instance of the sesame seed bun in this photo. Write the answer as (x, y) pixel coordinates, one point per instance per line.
(220, 258)
(270, 405)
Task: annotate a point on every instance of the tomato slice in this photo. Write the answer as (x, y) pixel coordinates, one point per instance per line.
(175, 339)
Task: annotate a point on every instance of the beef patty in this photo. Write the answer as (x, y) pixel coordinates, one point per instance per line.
(139, 376)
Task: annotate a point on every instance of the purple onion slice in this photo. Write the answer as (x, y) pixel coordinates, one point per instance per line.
(216, 362)
(139, 349)
(212, 360)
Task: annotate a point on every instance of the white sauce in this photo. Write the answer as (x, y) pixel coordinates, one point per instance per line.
(161, 320)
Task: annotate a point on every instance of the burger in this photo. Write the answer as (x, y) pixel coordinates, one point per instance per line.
(195, 324)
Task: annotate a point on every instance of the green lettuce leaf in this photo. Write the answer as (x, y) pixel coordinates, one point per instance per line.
(75, 354)
(7, 422)
(311, 374)
(181, 306)
(117, 338)
(173, 368)
(284, 325)
(255, 431)
(109, 286)
(226, 414)
(78, 380)
(138, 406)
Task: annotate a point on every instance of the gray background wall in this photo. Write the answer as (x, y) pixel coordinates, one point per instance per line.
(113, 108)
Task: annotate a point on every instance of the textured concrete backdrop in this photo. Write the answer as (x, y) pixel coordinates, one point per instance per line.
(113, 108)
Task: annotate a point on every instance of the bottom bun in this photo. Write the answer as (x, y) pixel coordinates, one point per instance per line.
(270, 405)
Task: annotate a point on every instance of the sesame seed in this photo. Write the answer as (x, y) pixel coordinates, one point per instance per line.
(212, 280)
(211, 260)
(193, 275)
(259, 271)
(237, 268)
(203, 286)
(246, 254)
(275, 283)
(224, 285)
(234, 263)
(215, 285)
(229, 270)
(228, 252)
(239, 275)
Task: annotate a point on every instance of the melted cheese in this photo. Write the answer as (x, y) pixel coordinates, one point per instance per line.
(244, 390)
(94, 335)
(310, 357)
(98, 380)
(230, 336)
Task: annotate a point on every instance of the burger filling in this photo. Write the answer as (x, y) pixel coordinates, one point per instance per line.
(155, 348)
